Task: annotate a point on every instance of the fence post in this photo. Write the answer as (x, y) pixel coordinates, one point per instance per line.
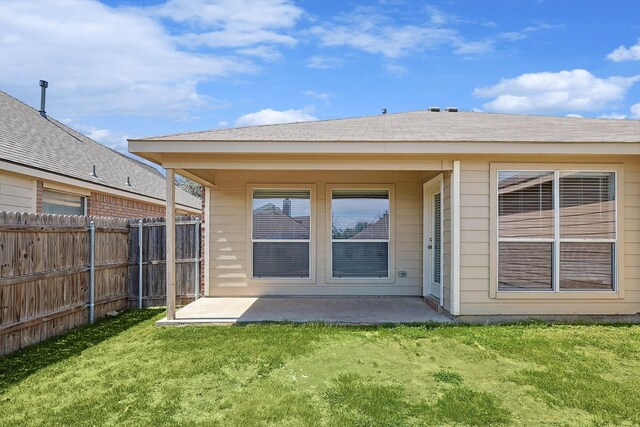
(92, 271)
(196, 293)
(140, 264)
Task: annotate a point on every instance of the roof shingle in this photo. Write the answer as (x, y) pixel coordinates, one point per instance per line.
(418, 126)
(29, 139)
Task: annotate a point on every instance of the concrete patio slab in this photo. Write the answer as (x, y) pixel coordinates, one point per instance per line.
(339, 310)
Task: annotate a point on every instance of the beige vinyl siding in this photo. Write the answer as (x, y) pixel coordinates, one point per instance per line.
(17, 194)
(475, 247)
(228, 268)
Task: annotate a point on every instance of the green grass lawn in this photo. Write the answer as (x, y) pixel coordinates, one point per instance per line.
(127, 371)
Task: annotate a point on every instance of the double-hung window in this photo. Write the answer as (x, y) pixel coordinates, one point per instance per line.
(556, 230)
(281, 233)
(360, 230)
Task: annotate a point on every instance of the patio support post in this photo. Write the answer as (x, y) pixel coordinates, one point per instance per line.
(171, 245)
(455, 239)
(196, 291)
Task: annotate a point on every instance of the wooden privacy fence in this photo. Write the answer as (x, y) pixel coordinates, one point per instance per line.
(45, 271)
(154, 261)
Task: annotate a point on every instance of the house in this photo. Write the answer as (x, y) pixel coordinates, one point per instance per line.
(47, 167)
(482, 214)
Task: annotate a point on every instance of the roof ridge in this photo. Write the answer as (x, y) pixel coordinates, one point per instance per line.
(426, 111)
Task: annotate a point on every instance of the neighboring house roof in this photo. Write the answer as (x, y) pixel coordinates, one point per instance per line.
(28, 139)
(431, 126)
(270, 222)
(377, 230)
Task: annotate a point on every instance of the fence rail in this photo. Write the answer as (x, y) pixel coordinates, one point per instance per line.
(45, 271)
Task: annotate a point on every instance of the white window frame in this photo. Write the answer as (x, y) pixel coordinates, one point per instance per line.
(391, 278)
(312, 238)
(617, 290)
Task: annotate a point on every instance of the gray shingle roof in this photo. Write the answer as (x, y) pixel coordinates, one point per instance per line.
(29, 139)
(430, 126)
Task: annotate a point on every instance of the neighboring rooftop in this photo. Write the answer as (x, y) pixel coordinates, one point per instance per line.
(418, 126)
(29, 139)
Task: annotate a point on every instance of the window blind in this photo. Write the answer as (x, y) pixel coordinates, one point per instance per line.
(360, 233)
(580, 254)
(281, 233)
(525, 204)
(587, 205)
(586, 265)
(525, 266)
(54, 202)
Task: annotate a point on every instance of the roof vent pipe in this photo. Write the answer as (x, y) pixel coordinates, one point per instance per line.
(43, 93)
(128, 183)
(434, 109)
(93, 172)
(451, 109)
(384, 111)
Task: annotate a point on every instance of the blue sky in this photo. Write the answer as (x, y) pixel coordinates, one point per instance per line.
(124, 68)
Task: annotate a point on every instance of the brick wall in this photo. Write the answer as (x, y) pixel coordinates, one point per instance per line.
(100, 204)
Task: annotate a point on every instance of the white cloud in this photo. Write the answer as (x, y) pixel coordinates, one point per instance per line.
(547, 92)
(322, 96)
(527, 31)
(270, 117)
(324, 62)
(104, 60)
(635, 111)
(624, 53)
(232, 23)
(104, 136)
(396, 69)
(574, 115)
(267, 53)
(223, 123)
(369, 34)
(369, 30)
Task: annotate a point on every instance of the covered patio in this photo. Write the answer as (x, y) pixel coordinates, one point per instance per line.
(338, 310)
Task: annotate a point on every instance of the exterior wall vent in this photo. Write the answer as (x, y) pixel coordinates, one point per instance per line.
(451, 109)
(434, 109)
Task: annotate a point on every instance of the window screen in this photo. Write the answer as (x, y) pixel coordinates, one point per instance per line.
(281, 233)
(54, 202)
(360, 233)
(578, 254)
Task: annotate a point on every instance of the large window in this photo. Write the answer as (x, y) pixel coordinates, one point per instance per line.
(281, 236)
(360, 228)
(54, 202)
(556, 230)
